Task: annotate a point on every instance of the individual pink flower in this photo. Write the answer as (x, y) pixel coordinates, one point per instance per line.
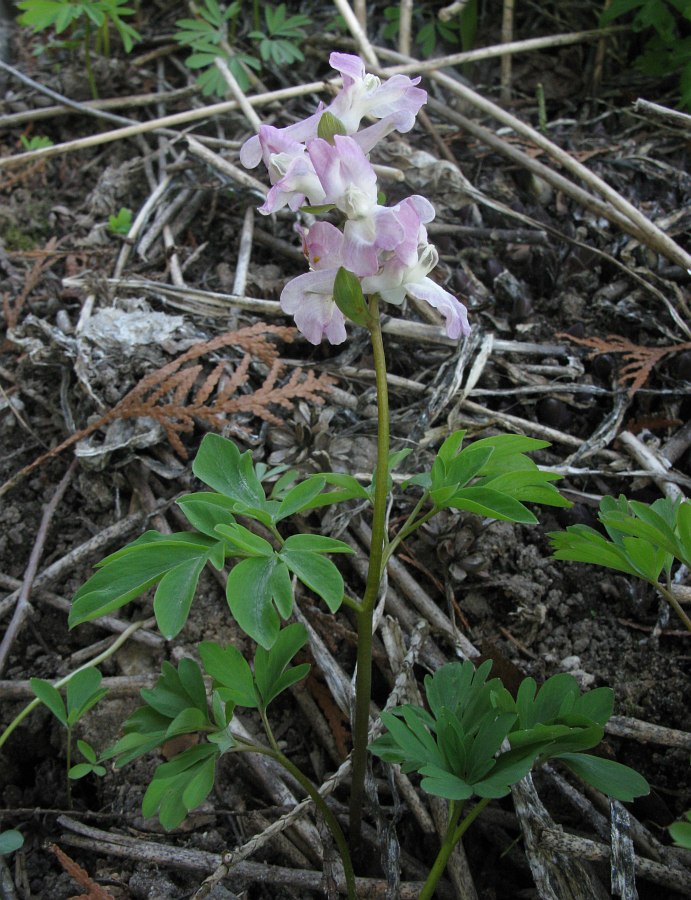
(290, 170)
(350, 183)
(395, 280)
(309, 297)
(395, 102)
(396, 99)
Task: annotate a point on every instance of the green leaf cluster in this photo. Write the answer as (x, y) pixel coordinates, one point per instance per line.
(208, 37)
(476, 740)
(668, 48)
(429, 30)
(490, 477)
(83, 692)
(278, 43)
(642, 539)
(259, 588)
(178, 704)
(63, 14)
(37, 142)
(120, 223)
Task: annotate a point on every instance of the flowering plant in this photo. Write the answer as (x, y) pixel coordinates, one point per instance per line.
(369, 254)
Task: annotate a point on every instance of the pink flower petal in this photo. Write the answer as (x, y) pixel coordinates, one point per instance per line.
(452, 310)
(309, 299)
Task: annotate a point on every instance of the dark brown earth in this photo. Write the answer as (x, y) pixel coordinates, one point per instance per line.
(579, 276)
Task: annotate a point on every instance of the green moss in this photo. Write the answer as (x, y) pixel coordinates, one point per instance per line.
(16, 239)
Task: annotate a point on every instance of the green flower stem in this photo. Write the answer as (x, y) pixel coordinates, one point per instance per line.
(454, 832)
(87, 59)
(674, 603)
(363, 678)
(319, 802)
(97, 660)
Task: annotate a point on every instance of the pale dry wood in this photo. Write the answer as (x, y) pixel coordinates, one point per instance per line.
(647, 732)
(495, 51)
(11, 120)
(118, 686)
(113, 844)
(357, 28)
(623, 859)
(184, 118)
(506, 38)
(571, 847)
(446, 13)
(244, 253)
(231, 171)
(404, 26)
(556, 874)
(141, 218)
(238, 93)
(669, 116)
(655, 464)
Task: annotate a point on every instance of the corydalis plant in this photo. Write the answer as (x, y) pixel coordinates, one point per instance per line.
(321, 164)
(476, 740)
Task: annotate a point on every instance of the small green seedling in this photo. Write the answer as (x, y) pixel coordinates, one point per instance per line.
(210, 36)
(10, 841)
(82, 694)
(430, 30)
(279, 43)
(82, 19)
(642, 540)
(37, 142)
(121, 223)
(477, 741)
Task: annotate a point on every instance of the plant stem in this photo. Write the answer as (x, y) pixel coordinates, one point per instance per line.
(68, 766)
(320, 803)
(87, 59)
(454, 832)
(363, 677)
(674, 603)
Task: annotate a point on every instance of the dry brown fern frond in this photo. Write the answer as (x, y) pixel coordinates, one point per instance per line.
(640, 361)
(186, 390)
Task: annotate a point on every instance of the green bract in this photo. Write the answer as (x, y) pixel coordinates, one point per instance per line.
(476, 740)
